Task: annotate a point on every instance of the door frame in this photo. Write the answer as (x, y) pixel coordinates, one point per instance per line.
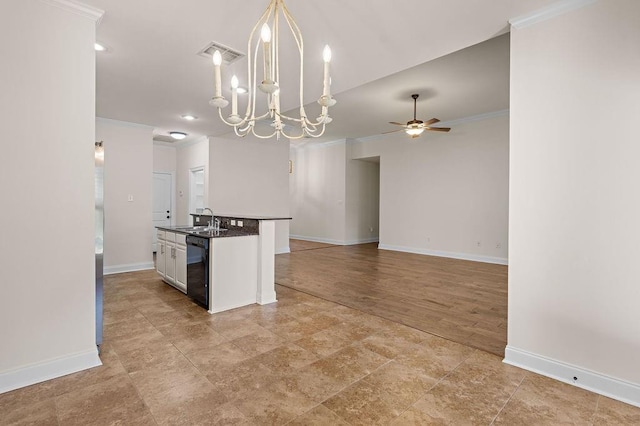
(205, 187)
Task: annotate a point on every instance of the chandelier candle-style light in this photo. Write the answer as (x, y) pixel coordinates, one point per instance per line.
(269, 84)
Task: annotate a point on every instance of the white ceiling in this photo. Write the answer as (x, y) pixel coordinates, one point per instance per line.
(383, 51)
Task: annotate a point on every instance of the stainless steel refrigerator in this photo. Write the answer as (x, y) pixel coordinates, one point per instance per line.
(99, 243)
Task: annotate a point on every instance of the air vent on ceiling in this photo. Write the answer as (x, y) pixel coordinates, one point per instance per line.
(229, 55)
(163, 138)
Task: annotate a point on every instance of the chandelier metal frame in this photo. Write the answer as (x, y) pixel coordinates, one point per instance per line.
(269, 39)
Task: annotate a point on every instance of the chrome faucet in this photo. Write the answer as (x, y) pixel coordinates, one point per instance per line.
(211, 226)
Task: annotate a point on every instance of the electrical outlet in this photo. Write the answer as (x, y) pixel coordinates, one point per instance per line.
(498, 245)
(130, 198)
(233, 222)
(478, 243)
(240, 223)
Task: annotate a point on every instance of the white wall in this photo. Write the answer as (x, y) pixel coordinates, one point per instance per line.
(190, 156)
(451, 188)
(47, 296)
(362, 201)
(250, 177)
(128, 172)
(333, 199)
(443, 193)
(318, 191)
(164, 158)
(575, 204)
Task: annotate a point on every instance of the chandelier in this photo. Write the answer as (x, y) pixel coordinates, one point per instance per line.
(269, 84)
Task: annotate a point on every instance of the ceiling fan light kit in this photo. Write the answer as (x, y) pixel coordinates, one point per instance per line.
(415, 127)
(269, 84)
(414, 130)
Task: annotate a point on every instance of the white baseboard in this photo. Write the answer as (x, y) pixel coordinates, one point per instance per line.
(335, 242)
(217, 309)
(131, 267)
(585, 379)
(283, 250)
(266, 300)
(451, 255)
(362, 241)
(47, 370)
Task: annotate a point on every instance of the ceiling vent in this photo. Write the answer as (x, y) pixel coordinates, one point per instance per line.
(229, 55)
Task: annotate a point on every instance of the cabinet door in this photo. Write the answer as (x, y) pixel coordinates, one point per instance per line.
(170, 265)
(181, 267)
(161, 257)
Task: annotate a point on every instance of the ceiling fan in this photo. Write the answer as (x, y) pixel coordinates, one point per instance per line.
(415, 127)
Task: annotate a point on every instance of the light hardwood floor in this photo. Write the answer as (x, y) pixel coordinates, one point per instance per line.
(462, 301)
(299, 245)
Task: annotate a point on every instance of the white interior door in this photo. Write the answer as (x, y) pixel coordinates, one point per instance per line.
(161, 204)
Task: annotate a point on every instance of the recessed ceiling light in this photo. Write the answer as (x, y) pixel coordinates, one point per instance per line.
(189, 117)
(99, 47)
(178, 135)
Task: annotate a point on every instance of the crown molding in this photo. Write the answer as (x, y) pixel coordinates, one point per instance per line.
(548, 12)
(163, 143)
(120, 123)
(182, 144)
(314, 145)
(78, 8)
(472, 118)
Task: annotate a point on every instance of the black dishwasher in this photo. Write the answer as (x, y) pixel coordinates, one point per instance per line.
(198, 270)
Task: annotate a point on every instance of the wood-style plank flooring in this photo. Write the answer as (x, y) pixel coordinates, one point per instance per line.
(462, 301)
(299, 245)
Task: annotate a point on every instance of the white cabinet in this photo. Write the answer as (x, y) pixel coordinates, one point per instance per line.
(173, 265)
(161, 253)
(181, 261)
(170, 267)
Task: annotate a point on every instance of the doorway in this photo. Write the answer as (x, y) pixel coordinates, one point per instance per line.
(162, 203)
(196, 190)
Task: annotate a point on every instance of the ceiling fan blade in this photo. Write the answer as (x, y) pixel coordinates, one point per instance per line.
(432, 121)
(438, 129)
(392, 131)
(397, 124)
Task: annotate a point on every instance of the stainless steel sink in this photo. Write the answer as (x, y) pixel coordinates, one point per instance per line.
(210, 233)
(191, 228)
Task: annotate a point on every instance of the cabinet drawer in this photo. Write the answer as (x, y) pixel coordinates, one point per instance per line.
(171, 236)
(181, 239)
(161, 235)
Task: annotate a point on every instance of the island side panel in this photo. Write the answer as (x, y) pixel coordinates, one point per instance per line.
(266, 262)
(233, 279)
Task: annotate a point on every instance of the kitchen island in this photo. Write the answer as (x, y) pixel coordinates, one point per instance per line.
(240, 260)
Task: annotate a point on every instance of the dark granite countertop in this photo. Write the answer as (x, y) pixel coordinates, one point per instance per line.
(200, 232)
(240, 216)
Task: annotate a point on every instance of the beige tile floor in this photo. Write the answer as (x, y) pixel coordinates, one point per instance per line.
(300, 361)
